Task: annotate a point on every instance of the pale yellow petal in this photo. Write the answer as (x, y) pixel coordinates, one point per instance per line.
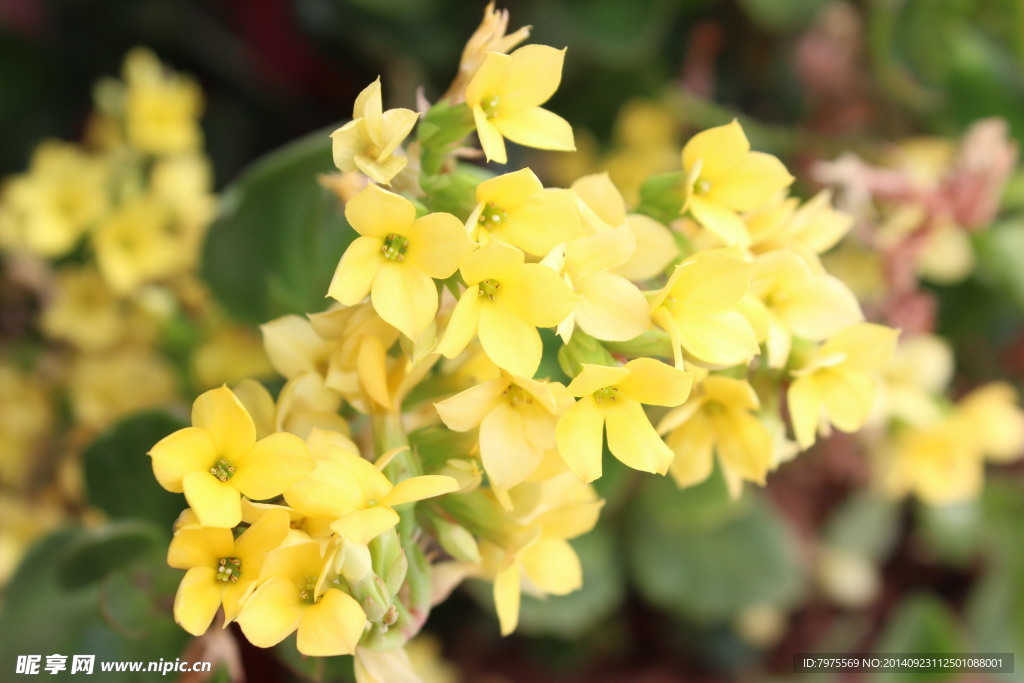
(494, 260)
(744, 444)
(331, 627)
(489, 78)
(375, 212)
(546, 220)
(176, 455)
(420, 488)
(372, 370)
(356, 270)
(655, 249)
(273, 465)
(805, 404)
(553, 566)
(750, 184)
(380, 171)
(719, 149)
(603, 198)
(265, 534)
(693, 445)
(735, 394)
(596, 253)
(538, 296)
(507, 340)
(220, 413)
(848, 397)
(404, 297)
(868, 347)
(199, 546)
(507, 454)
(216, 503)
(632, 439)
(462, 325)
(821, 309)
(720, 220)
(594, 377)
(655, 383)
(533, 76)
(272, 612)
(369, 103)
(465, 410)
(611, 308)
(437, 245)
(710, 281)
(362, 526)
(721, 338)
(197, 600)
(537, 128)
(491, 140)
(395, 127)
(509, 189)
(579, 435)
(506, 599)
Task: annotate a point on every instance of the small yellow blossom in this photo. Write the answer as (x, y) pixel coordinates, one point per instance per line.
(815, 226)
(294, 348)
(396, 257)
(218, 459)
(610, 398)
(161, 107)
(221, 569)
(516, 209)
(109, 385)
(357, 495)
(719, 420)
(912, 381)
(488, 37)
(294, 595)
(506, 301)
(138, 243)
(725, 178)
(84, 311)
(838, 382)
(368, 142)
(516, 417)
(505, 96)
(699, 308)
(26, 416)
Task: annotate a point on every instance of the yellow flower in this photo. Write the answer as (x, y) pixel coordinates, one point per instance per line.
(229, 355)
(293, 346)
(357, 495)
(837, 384)
(26, 416)
(719, 420)
(699, 308)
(506, 301)
(505, 96)
(218, 460)
(608, 307)
(801, 300)
(516, 417)
(610, 399)
(47, 210)
(368, 142)
(294, 595)
(603, 208)
(106, 386)
(161, 107)
(516, 209)
(221, 569)
(83, 310)
(815, 227)
(910, 383)
(396, 257)
(724, 178)
(488, 37)
(138, 244)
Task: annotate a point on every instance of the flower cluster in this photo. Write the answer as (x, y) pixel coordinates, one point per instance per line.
(489, 340)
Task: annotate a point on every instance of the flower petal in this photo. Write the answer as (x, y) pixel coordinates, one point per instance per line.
(507, 595)
(744, 444)
(509, 190)
(693, 444)
(720, 220)
(611, 308)
(176, 455)
(216, 503)
(655, 249)
(721, 338)
(579, 435)
(507, 340)
(462, 324)
(804, 409)
(848, 397)
(491, 140)
(272, 466)
(271, 613)
(489, 78)
(220, 413)
(356, 270)
(404, 297)
(537, 128)
(720, 149)
(420, 488)
(538, 296)
(710, 280)
(465, 410)
(553, 566)
(362, 526)
(507, 454)
(494, 260)
(594, 377)
(655, 383)
(633, 440)
(437, 244)
(750, 184)
(197, 600)
(199, 546)
(534, 74)
(375, 212)
(332, 626)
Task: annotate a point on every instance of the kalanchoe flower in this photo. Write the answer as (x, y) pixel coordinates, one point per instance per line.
(489, 37)
(396, 257)
(218, 459)
(505, 96)
(368, 142)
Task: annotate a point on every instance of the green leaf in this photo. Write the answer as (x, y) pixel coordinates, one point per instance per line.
(119, 475)
(662, 196)
(922, 624)
(278, 235)
(705, 558)
(952, 532)
(781, 17)
(1001, 257)
(571, 616)
(98, 552)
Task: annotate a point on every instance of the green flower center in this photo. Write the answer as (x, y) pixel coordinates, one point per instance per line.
(395, 247)
(702, 187)
(491, 106)
(492, 216)
(372, 502)
(229, 569)
(223, 470)
(489, 289)
(610, 394)
(517, 396)
(308, 593)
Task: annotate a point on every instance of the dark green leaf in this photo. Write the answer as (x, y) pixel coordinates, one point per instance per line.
(98, 552)
(922, 624)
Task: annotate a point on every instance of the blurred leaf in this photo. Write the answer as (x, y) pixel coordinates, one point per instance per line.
(921, 624)
(1001, 257)
(661, 196)
(866, 524)
(788, 16)
(953, 531)
(119, 475)
(571, 616)
(278, 235)
(704, 557)
(97, 552)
